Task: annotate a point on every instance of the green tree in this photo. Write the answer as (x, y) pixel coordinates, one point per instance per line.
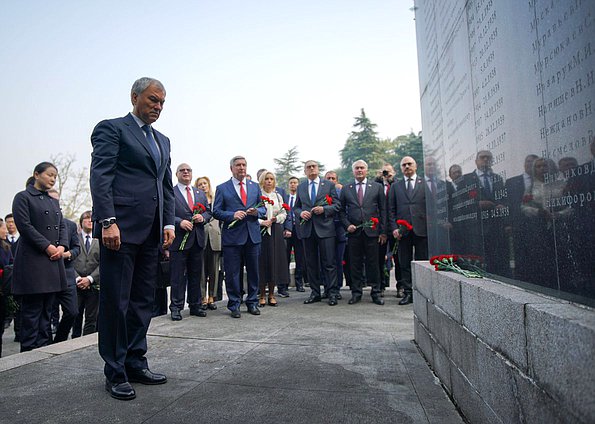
(286, 166)
(363, 143)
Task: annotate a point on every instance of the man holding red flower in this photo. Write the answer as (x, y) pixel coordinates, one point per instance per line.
(407, 202)
(316, 205)
(364, 216)
(186, 253)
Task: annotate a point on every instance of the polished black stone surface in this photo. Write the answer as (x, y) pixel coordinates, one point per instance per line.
(508, 90)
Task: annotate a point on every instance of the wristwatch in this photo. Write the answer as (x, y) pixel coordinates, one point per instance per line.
(106, 223)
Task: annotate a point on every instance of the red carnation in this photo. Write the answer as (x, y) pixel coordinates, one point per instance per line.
(473, 194)
(329, 200)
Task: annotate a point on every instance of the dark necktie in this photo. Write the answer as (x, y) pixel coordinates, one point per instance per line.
(312, 192)
(152, 144)
(291, 208)
(360, 194)
(87, 243)
(11, 239)
(243, 193)
(409, 186)
(486, 183)
(189, 198)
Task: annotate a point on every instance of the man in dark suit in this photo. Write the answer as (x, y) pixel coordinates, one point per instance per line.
(133, 209)
(318, 231)
(340, 238)
(86, 266)
(362, 201)
(407, 200)
(234, 207)
(291, 238)
(189, 257)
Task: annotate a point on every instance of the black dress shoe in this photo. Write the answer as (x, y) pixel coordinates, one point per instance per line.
(312, 299)
(300, 289)
(176, 315)
(378, 300)
(145, 376)
(324, 296)
(199, 311)
(408, 298)
(332, 301)
(120, 391)
(236, 314)
(212, 306)
(282, 293)
(354, 300)
(253, 310)
(339, 297)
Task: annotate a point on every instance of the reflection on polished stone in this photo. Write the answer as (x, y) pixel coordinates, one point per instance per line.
(509, 138)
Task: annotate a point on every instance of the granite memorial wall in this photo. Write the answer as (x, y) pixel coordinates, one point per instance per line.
(507, 91)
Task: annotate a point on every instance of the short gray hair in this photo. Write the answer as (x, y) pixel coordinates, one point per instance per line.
(143, 83)
(235, 158)
(358, 161)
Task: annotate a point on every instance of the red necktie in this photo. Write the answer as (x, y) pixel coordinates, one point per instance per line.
(243, 193)
(189, 197)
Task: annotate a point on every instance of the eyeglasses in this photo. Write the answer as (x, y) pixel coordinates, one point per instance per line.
(185, 170)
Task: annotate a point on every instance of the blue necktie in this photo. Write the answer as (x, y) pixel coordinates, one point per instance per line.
(313, 192)
(291, 209)
(152, 144)
(87, 243)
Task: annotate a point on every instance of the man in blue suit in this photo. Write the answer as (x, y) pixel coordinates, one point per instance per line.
(189, 256)
(133, 209)
(234, 207)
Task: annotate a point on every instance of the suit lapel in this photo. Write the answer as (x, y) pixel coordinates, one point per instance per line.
(181, 198)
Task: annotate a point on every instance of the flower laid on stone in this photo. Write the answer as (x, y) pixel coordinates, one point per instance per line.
(459, 264)
(404, 227)
(198, 208)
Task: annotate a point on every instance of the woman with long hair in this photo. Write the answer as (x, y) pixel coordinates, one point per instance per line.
(38, 265)
(273, 267)
(212, 259)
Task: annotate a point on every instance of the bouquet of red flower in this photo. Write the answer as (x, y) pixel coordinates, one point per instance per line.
(371, 223)
(456, 264)
(328, 200)
(196, 209)
(263, 201)
(284, 207)
(404, 227)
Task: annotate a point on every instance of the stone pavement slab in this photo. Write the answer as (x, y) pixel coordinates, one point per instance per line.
(294, 363)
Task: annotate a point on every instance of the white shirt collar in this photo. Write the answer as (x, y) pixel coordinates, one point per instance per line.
(364, 181)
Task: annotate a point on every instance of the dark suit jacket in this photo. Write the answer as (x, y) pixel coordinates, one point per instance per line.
(374, 205)
(87, 263)
(40, 224)
(74, 248)
(412, 209)
(227, 202)
(183, 211)
(126, 183)
(322, 224)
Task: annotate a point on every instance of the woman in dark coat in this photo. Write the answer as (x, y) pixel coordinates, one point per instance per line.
(38, 265)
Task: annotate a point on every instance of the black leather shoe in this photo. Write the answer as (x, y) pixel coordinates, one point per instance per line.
(312, 299)
(300, 289)
(120, 391)
(253, 310)
(332, 301)
(212, 306)
(354, 300)
(176, 316)
(408, 298)
(145, 376)
(199, 311)
(283, 293)
(324, 296)
(378, 300)
(339, 297)
(236, 314)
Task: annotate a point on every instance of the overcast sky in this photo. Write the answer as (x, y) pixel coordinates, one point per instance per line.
(242, 77)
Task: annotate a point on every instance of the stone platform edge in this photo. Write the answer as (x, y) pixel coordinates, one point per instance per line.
(505, 354)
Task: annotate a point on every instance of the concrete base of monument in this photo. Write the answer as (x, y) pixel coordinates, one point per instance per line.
(294, 363)
(505, 354)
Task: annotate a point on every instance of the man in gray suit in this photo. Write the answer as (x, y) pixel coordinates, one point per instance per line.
(86, 266)
(407, 200)
(363, 201)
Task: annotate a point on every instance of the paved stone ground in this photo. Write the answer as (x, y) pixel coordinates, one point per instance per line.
(295, 363)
